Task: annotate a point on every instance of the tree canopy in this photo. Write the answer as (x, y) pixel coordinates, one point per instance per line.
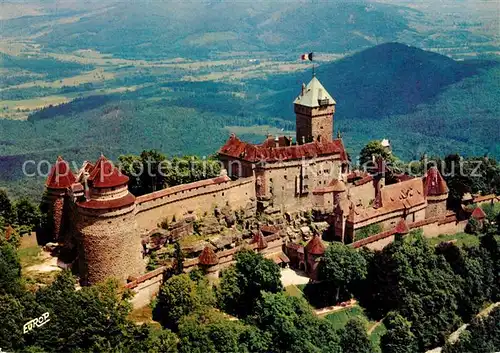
(342, 265)
(179, 296)
(242, 285)
(152, 170)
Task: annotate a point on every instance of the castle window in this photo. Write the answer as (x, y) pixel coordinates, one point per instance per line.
(222, 194)
(285, 177)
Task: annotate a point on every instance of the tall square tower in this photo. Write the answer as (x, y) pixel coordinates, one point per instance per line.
(314, 111)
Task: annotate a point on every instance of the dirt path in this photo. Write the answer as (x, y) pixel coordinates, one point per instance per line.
(456, 335)
(377, 324)
(332, 309)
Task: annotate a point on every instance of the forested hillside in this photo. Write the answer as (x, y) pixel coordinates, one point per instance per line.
(424, 102)
(169, 29)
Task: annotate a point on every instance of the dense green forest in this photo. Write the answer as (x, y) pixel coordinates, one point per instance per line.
(421, 292)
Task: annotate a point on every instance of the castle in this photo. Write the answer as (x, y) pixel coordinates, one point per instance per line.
(93, 209)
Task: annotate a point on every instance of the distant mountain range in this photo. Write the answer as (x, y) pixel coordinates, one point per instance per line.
(196, 29)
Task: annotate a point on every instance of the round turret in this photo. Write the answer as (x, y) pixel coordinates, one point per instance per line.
(59, 180)
(110, 245)
(208, 262)
(436, 193)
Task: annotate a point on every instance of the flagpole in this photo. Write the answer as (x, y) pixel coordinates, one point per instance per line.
(314, 74)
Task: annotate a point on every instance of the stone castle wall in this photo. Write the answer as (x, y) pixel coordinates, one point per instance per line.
(431, 227)
(196, 198)
(289, 185)
(388, 220)
(110, 246)
(55, 203)
(363, 194)
(436, 205)
(146, 287)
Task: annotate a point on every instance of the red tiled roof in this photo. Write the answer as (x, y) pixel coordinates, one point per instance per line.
(402, 227)
(391, 198)
(60, 176)
(106, 175)
(267, 229)
(315, 246)
(282, 141)
(208, 257)
(294, 246)
(127, 200)
(364, 180)
(478, 213)
(388, 233)
(483, 198)
(356, 175)
(434, 183)
(236, 148)
(325, 190)
(258, 239)
(403, 177)
(145, 277)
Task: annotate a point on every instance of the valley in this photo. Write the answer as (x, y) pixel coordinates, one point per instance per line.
(72, 85)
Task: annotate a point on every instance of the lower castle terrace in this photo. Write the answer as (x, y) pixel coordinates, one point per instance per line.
(283, 198)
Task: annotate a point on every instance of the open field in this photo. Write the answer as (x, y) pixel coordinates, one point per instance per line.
(462, 239)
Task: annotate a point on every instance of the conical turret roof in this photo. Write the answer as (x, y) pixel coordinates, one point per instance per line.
(434, 183)
(315, 246)
(402, 227)
(60, 176)
(106, 175)
(478, 213)
(208, 257)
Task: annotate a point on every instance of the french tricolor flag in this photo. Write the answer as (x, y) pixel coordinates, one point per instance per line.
(307, 57)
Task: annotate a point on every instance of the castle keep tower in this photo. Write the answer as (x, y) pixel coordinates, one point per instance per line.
(59, 180)
(108, 242)
(314, 110)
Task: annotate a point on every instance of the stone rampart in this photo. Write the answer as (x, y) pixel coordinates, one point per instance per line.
(146, 287)
(198, 198)
(431, 227)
